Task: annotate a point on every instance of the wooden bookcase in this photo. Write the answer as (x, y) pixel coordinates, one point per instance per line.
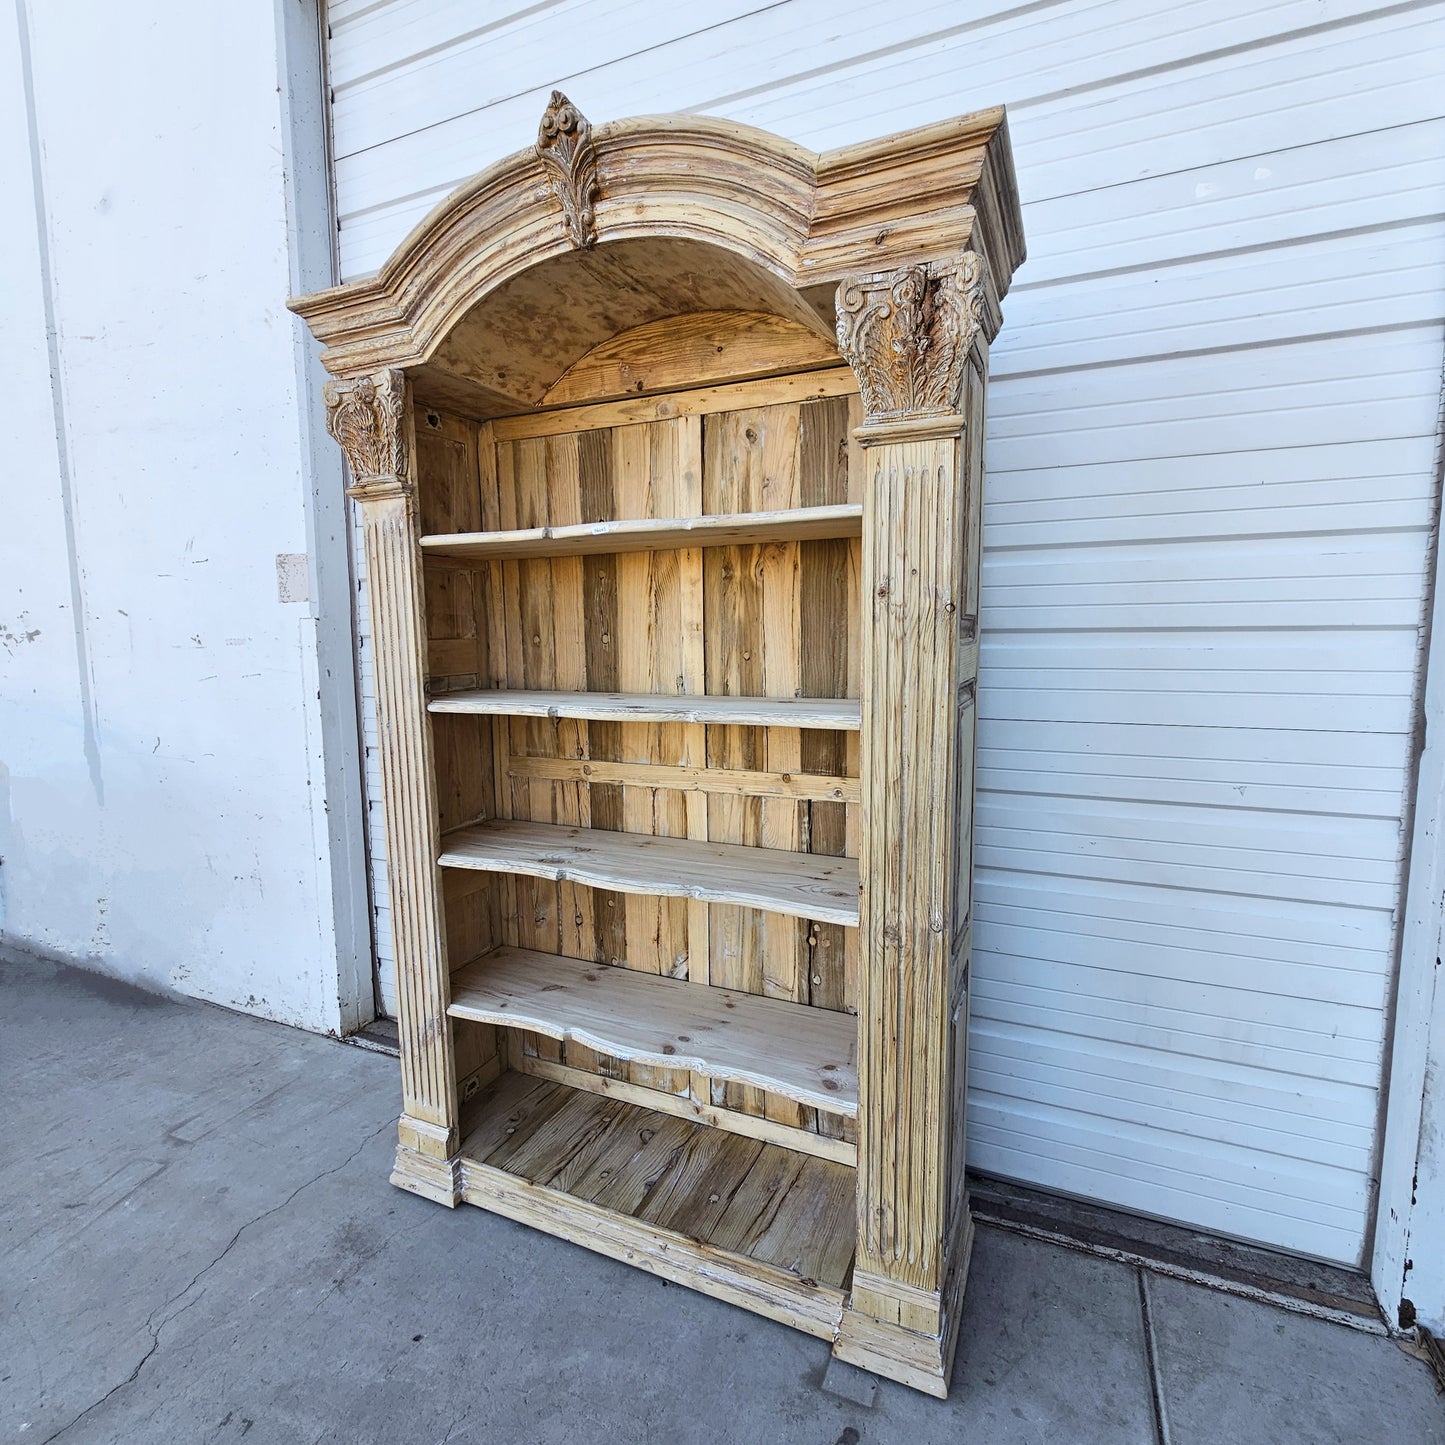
(667, 442)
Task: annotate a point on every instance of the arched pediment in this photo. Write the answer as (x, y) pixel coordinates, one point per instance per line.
(545, 255)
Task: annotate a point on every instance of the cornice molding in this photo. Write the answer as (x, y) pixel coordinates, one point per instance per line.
(919, 197)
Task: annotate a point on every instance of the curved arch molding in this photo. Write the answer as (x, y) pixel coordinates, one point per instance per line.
(682, 213)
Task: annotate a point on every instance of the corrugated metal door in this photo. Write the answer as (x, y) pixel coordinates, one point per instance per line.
(1211, 496)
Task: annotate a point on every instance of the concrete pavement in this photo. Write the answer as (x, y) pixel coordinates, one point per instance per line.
(200, 1245)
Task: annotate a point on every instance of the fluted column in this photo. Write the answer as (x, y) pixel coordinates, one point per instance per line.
(371, 418)
(917, 339)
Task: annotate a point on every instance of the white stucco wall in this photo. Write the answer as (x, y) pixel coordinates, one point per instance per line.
(176, 802)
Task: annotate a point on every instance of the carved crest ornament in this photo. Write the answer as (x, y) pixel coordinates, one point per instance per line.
(365, 417)
(907, 335)
(564, 146)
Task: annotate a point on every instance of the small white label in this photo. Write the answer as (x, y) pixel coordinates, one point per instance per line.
(293, 577)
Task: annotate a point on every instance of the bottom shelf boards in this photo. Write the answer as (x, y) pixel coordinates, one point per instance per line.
(758, 1225)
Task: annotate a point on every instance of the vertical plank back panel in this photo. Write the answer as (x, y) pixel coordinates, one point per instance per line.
(646, 462)
(772, 619)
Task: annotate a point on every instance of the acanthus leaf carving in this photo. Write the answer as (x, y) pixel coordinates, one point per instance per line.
(564, 146)
(907, 334)
(365, 416)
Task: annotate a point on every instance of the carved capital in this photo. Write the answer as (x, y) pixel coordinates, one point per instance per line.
(564, 146)
(366, 417)
(907, 335)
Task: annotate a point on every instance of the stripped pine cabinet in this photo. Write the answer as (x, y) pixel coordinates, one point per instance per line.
(667, 440)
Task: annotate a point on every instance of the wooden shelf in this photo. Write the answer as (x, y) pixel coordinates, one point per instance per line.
(806, 1054)
(836, 714)
(759, 1225)
(806, 885)
(648, 534)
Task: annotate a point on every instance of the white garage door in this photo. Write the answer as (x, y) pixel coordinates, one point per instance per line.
(1211, 472)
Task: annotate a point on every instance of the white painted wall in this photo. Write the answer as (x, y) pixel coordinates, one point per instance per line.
(1211, 497)
(177, 800)
(1422, 1280)
(1408, 1264)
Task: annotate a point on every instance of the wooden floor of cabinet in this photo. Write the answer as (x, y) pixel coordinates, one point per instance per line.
(756, 1224)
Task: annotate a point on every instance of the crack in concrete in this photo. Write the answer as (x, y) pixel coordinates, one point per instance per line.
(156, 1330)
(34, 1349)
(455, 1425)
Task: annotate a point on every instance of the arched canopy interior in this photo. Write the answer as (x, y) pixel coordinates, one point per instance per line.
(564, 328)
